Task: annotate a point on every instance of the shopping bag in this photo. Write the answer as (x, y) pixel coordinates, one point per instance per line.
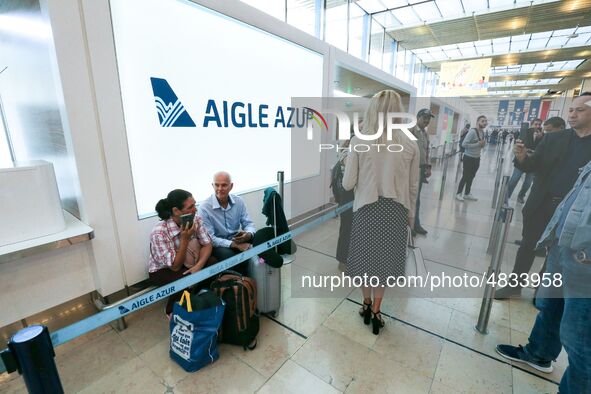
(415, 264)
(193, 334)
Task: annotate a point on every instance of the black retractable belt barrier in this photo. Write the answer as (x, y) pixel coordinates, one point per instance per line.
(30, 351)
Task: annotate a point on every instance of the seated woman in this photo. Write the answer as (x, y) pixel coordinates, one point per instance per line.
(177, 250)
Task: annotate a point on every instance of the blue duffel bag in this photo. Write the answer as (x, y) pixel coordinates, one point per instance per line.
(194, 333)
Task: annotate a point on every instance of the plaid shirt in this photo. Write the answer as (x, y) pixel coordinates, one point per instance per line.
(165, 240)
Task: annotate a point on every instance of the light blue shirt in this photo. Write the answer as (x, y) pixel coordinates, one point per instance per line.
(224, 223)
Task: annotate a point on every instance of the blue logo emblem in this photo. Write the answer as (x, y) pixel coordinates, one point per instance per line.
(123, 310)
(171, 112)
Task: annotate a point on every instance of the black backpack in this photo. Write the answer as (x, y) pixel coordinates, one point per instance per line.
(462, 137)
(341, 195)
(241, 319)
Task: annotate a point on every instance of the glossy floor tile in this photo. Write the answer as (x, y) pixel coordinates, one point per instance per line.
(292, 378)
(464, 371)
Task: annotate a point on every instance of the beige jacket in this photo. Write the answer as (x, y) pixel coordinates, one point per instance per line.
(386, 174)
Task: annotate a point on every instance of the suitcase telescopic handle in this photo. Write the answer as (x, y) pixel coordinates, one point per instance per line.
(231, 272)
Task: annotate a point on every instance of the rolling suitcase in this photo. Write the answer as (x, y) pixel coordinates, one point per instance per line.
(268, 281)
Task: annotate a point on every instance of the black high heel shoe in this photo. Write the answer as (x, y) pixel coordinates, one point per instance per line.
(377, 322)
(365, 312)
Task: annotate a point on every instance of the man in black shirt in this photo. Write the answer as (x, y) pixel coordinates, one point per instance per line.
(530, 140)
(556, 161)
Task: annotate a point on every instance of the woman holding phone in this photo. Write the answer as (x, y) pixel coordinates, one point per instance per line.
(179, 243)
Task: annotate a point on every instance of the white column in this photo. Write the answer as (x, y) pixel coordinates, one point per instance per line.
(75, 71)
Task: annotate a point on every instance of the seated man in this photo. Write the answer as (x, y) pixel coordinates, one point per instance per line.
(225, 217)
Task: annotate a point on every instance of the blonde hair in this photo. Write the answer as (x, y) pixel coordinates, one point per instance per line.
(382, 102)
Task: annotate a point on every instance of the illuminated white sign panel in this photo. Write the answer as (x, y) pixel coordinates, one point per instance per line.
(203, 92)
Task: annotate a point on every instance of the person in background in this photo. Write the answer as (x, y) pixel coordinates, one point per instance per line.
(176, 250)
(531, 139)
(386, 187)
(554, 124)
(343, 197)
(419, 131)
(556, 161)
(226, 219)
(494, 137)
(564, 318)
(473, 143)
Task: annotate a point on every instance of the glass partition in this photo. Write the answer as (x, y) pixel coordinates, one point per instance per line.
(32, 103)
(336, 30)
(376, 47)
(360, 27)
(305, 15)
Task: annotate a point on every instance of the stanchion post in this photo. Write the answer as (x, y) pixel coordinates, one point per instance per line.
(281, 183)
(500, 164)
(30, 351)
(494, 268)
(443, 152)
(443, 174)
(494, 232)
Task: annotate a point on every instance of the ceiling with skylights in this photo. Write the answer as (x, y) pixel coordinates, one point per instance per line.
(536, 67)
(396, 13)
(556, 39)
(539, 45)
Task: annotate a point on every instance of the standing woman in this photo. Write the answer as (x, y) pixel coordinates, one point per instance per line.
(386, 184)
(176, 250)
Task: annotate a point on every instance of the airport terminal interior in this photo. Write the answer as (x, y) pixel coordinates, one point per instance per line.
(111, 109)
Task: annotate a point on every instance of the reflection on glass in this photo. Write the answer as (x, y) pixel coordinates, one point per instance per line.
(305, 15)
(376, 46)
(5, 156)
(358, 27)
(400, 63)
(336, 23)
(409, 66)
(31, 97)
(389, 50)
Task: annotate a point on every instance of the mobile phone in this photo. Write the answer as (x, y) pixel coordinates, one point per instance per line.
(523, 131)
(187, 218)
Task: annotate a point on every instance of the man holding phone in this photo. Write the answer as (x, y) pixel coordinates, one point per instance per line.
(530, 137)
(226, 219)
(556, 161)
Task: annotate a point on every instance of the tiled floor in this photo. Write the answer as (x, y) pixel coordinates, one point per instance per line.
(318, 344)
